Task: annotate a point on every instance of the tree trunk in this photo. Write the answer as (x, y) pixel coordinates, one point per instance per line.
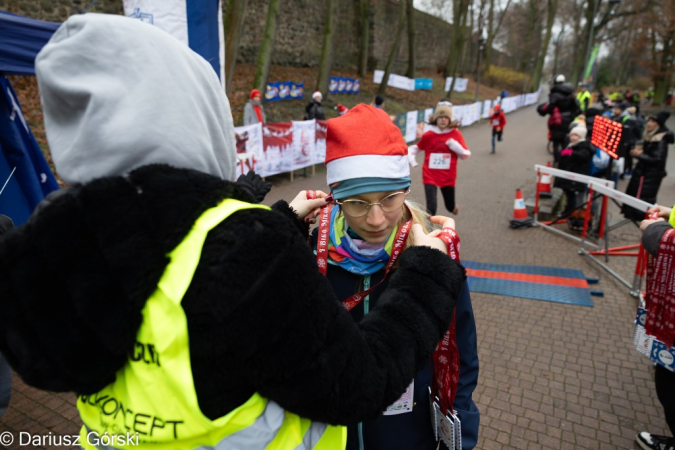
(411, 38)
(536, 77)
(234, 20)
(327, 49)
(492, 33)
(262, 68)
(468, 39)
(394, 49)
(532, 18)
(364, 41)
(459, 14)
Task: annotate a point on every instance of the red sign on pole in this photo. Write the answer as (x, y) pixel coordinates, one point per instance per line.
(606, 135)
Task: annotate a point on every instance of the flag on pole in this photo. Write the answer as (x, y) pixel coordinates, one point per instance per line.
(197, 24)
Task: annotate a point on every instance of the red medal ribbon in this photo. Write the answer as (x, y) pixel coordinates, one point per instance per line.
(660, 298)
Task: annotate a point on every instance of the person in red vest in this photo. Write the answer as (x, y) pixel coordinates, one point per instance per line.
(443, 145)
(253, 111)
(497, 121)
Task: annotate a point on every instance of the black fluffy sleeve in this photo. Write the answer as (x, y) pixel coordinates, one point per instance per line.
(262, 319)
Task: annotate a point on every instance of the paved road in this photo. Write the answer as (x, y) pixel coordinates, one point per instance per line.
(553, 376)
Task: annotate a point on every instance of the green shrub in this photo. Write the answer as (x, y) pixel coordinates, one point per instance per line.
(505, 78)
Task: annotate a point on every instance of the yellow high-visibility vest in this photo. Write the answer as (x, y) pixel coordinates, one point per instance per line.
(152, 404)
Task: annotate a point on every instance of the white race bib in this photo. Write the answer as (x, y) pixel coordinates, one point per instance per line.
(403, 404)
(495, 122)
(439, 161)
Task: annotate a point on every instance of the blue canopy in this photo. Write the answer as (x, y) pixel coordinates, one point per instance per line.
(21, 39)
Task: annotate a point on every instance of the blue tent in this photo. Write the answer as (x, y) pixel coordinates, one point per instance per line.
(25, 177)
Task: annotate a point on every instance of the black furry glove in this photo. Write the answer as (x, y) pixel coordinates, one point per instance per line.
(6, 224)
(254, 185)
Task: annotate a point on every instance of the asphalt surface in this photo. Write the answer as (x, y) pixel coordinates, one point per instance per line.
(553, 376)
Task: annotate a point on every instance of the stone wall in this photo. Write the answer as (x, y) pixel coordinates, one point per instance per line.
(299, 31)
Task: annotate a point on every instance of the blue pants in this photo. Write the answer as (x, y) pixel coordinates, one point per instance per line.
(497, 134)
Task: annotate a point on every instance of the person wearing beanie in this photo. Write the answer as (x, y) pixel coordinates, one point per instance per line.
(172, 304)
(575, 158)
(378, 102)
(651, 163)
(314, 110)
(253, 110)
(443, 146)
(498, 122)
(369, 177)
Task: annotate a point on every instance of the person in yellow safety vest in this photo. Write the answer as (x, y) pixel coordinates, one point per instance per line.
(182, 313)
(584, 98)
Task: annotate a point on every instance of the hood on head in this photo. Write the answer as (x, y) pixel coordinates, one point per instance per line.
(119, 94)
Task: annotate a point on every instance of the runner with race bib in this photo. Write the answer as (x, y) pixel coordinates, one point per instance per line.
(443, 145)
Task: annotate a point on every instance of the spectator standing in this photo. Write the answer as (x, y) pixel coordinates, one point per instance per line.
(651, 163)
(654, 233)
(443, 146)
(562, 107)
(253, 110)
(498, 122)
(314, 110)
(584, 98)
(378, 102)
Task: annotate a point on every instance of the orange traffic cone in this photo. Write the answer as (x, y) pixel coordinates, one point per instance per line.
(544, 185)
(520, 217)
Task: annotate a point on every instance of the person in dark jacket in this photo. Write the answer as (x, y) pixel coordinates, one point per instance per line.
(361, 234)
(562, 107)
(630, 135)
(576, 158)
(651, 163)
(314, 110)
(653, 231)
(259, 326)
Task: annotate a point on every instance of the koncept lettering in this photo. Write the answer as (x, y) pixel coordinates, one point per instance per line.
(133, 421)
(145, 353)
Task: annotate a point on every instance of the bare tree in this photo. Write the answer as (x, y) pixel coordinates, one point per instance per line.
(493, 31)
(550, 18)
(364, 38)
(394, 49)
(410, 10)
(327, 49)
(234, 19)
(459, 13)
(262, 69)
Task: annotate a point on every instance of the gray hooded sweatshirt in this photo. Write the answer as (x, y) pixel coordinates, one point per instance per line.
(119, 94)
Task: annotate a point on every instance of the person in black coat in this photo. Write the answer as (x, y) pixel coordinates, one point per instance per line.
(563, 107)
(651, 163)
(314, 110)
(576, 158)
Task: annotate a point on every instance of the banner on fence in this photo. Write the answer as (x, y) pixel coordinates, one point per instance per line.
(320, 153)
(344, 85)
(249, 148)
(304, 144)
(460, 84)
(396, 81)
(424, 83)
(283, 90)
(277, 148)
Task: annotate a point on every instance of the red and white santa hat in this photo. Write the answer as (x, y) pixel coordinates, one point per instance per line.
(365, 152)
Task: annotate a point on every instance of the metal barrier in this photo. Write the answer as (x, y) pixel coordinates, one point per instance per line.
(604, 188)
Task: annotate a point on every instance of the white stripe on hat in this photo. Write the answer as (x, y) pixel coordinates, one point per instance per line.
(361, 166)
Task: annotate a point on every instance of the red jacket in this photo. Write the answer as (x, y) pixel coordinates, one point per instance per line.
(442, 172)
(498, 120)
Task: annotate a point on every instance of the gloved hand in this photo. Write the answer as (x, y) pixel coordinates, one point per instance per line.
(412, 152)
(566, 152)
(254, 185)
(6, 224)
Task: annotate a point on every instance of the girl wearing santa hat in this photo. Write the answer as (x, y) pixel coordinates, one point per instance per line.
(361, 243)
(443, 145)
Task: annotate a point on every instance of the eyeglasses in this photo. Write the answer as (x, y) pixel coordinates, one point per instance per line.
(358, 208)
